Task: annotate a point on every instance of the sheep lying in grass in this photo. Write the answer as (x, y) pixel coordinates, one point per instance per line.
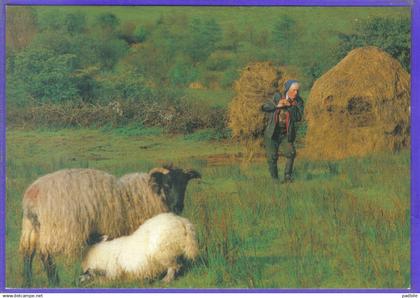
(150, 251)
(65, 210)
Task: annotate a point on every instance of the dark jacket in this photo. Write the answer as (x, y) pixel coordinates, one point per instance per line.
(295, 115)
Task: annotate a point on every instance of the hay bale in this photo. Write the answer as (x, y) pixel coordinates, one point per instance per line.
(359, 106)
(254, 86)
(196, 85)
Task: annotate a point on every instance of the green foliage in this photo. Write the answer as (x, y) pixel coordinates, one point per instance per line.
(284, 30)
(391, 35)
(229, 77)
(45, 75)
(107, 22)
(86, 82)
(126, 85)
(140, 34)
(50, 20)
(83, 46)
(132, 54)
(219, 61)
(203, 37)
(126, 32)
(285, 34)
(21, 27)
(182, 73)
(75, 22)
(231, 39)
(110, 51)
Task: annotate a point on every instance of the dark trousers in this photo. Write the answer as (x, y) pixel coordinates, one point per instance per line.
(272, 146)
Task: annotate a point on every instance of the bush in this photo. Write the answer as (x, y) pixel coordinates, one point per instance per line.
(75, 23)
(45, 76)
(140, 34)
(107, 22)
(183, 73)
(164, 110)
(124, 85)
(190, 116)
(219, 61)
(229, 77)
(208, 134)
(110, 51)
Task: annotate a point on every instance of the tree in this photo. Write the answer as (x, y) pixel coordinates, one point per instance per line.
(110, 51)
(203, 39)
(390, 34)
(284, 34)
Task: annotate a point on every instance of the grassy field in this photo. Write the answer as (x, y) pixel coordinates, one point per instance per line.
(341, 224)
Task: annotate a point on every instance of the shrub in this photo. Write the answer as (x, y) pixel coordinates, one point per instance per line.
(125, 85)
(182, 73)
(108, 22)
(140, 34)
(229, 77)
(110, 51)
(391, 35)
(127, 32)
(202, 39)
(218, 61)
(46, 76)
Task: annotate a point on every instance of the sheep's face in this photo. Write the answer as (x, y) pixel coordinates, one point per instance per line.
(173, 183)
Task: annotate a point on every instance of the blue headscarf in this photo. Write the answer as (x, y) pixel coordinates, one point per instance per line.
(288, 84)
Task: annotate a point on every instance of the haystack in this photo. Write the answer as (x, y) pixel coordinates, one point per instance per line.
(253, 88)
(359, 106)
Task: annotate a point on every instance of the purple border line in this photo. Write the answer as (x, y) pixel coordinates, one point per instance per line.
(216, 2)
(415, 148)
(415, 138)
(3, 145)
(204, 290)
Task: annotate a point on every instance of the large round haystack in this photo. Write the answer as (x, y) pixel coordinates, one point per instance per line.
(253, 88)
(359, 106)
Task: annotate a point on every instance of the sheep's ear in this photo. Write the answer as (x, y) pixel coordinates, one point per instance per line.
(156, 180)
(192, 174)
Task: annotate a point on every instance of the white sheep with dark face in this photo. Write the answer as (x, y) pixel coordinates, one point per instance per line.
(64, 211)
(154, 248)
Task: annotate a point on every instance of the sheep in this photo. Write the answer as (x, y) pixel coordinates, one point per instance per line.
(68, 209)
(151, 250)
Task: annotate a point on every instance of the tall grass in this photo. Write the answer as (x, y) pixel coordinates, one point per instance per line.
(341, 224)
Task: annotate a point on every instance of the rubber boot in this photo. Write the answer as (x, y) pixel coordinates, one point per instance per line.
(273, 171)
(288, 170)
